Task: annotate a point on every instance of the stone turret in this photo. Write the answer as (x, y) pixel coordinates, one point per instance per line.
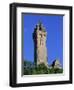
(40, 50)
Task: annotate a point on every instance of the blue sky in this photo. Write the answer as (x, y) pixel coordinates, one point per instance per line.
(54, 29)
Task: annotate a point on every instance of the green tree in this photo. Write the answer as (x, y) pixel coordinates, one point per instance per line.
(58, 70)
(31, 69)
(42, 69)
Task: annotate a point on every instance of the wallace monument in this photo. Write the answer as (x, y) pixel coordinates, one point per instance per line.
(40, 49)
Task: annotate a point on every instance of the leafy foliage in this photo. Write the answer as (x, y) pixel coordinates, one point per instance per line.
(31, 69)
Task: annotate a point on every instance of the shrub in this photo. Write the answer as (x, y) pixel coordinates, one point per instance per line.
(40, 69)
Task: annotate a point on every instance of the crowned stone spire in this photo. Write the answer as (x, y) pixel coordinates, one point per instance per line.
(40, 26)
(40, 49)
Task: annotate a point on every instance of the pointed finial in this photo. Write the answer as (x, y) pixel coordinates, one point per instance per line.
(40, 23)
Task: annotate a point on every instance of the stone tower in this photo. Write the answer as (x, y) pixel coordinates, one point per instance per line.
(40, 50)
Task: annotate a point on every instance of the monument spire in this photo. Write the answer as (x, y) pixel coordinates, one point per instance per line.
(40, 49)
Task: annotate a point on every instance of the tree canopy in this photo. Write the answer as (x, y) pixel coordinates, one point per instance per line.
(31, 69)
